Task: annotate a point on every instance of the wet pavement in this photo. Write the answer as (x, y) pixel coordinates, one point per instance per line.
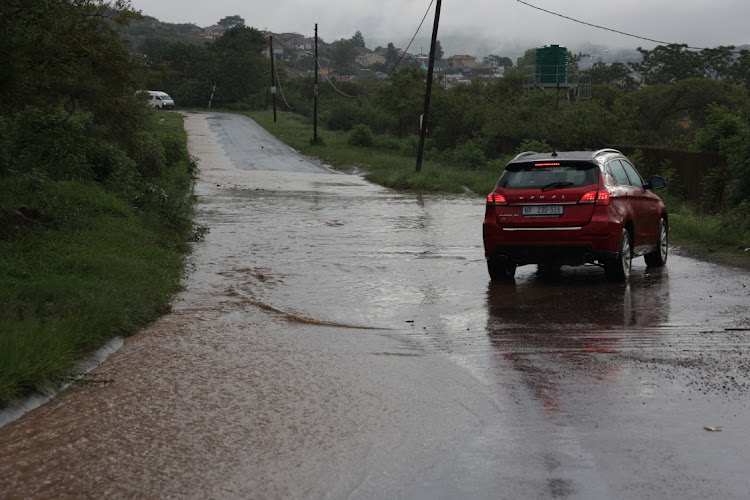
(337, 339)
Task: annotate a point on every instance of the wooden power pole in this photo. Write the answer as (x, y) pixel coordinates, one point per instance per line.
(315, 90)
(273, 81)
(428, 90)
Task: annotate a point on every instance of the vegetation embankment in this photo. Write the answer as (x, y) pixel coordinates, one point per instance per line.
(80, 263)
(95, 192)
(391, 162)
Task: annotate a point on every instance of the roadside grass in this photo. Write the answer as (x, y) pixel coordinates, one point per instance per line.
(723, 237)
(389, 167)
(80, 265)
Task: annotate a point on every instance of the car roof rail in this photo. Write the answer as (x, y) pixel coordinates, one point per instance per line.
(525, 153)
(605, 150)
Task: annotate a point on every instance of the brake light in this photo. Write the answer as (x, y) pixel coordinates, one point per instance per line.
(547, 164)
(600, 197)
(496, 199)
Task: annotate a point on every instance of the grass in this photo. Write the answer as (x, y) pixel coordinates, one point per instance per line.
(389, 168)
(719, 238)
(722, 238)
(83, 266)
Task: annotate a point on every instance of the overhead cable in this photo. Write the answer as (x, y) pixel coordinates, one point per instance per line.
(610, 29)
(403, 53)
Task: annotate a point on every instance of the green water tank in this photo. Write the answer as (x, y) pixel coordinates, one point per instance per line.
(551, 64)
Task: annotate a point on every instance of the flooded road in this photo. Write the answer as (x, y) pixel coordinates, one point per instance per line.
(337, 339)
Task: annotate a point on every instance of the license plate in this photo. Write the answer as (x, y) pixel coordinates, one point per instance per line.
(542, 210)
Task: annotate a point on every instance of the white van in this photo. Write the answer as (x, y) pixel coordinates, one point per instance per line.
(158, 99)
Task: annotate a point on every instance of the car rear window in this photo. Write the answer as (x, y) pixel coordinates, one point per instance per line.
(550, 175)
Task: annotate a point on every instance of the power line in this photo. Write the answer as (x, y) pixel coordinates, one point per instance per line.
(280, 88)
(403, 53)
(407, 47)
(336, 88)
(610, 29)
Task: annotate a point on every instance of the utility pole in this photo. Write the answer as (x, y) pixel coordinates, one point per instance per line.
(273, 81)
(315, 90)
(428, 90)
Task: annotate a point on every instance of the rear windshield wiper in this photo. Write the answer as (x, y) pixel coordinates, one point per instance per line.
(557, 185)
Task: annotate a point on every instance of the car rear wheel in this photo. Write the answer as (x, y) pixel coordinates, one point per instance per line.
(500, 269)
(618, 269)
(658, 257)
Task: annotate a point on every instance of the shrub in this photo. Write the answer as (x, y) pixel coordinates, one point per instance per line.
(674, 191)
(342, 116)
(712, 195)
(468, 156)
(410, 145)
(150, 156)
(387, 141)
(533, 145)
(361, 135)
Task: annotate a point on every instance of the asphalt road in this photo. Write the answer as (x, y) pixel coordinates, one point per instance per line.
(340, 340)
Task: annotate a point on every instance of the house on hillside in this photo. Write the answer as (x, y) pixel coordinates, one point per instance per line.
(213, 32)
(302, 44)
(368, 58)
(462, 61)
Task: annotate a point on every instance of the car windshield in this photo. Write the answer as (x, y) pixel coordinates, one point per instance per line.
(548, 175)
(166, 97)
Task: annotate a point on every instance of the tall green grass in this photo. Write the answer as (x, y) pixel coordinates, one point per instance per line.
(81, 264)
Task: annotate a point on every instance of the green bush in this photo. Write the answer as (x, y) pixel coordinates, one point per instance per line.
(387, 142)
(468, 156)
(410, 145)
(712, 194)
(361, 135)
(342, 116)
(533, 145)
(150, 156)
(675, 191)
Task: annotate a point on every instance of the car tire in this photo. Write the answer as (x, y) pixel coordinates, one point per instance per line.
(658, 257)
(500, 269)
(618, 269)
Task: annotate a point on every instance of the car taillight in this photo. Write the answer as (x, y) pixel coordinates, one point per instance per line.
(600, 197)
(496, 199)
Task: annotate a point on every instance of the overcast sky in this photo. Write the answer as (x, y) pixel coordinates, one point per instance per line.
(493, 25)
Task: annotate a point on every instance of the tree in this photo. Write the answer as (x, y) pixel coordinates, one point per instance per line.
(391, 55)
(343, 52)
(739, 72)
(498, 62)
(717, 62)
(65, 58)
(240, 68)
(404, 98)
(616, 74)
(721, 125)
(358, 40)
(231, 21)
(668, 64)
(438, 51)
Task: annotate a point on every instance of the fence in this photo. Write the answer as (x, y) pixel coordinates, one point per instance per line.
(690, 166)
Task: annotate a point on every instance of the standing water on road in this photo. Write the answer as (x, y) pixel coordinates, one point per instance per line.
(338, 339)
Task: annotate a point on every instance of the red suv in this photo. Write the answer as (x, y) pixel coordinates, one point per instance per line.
(574, 208)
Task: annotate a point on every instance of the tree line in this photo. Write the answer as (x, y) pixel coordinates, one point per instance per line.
(69, 112)
(69, 69)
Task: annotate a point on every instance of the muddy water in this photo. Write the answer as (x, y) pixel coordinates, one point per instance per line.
(336, 339)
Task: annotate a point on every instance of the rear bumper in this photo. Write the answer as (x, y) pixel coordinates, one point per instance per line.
(595, 242)
(563, 255)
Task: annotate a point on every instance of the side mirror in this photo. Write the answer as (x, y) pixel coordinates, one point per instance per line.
(656, 182)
